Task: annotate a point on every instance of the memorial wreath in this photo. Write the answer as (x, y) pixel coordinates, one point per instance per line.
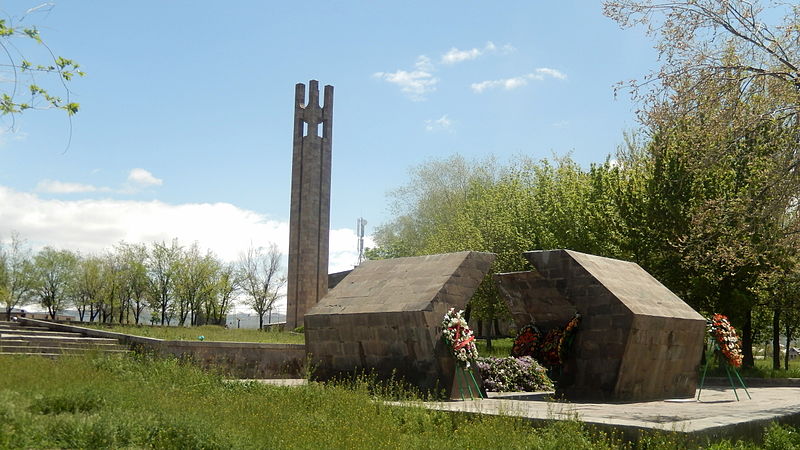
(726, 339)
(459, 337)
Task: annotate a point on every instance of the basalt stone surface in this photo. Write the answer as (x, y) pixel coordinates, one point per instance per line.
(309, 215)
(386, 315)
(636, 340)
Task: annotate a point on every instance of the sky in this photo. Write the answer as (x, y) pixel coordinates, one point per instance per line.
(186, 109)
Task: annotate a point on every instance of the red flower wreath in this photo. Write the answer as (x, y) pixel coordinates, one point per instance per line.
(527, 341)
(727, 341)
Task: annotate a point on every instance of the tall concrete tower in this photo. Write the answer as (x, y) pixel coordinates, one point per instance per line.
(309, 219)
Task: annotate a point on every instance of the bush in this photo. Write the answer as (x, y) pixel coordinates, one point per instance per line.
(513, 374)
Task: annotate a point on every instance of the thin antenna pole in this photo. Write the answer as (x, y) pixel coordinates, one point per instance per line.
(361, 225)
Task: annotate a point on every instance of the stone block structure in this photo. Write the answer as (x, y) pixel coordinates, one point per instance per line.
(309, 218)
(386, 315)
(636, 340)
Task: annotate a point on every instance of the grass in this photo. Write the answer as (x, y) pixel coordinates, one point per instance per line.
(500, 347)
(112, 402)
(762, 369)
(212, 333)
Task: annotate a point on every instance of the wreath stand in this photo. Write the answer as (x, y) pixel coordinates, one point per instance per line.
(711, 351)
(465, 383)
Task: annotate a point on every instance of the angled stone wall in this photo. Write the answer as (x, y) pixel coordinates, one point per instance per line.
(386, 315)
(636, 340)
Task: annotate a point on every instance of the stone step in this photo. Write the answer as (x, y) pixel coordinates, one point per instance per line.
(46, 355)
(28, 332)
(27, 349)
(59, 344)
(17, 326)
(58, 339)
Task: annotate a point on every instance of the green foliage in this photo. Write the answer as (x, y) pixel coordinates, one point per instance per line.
(64, 70)
(778, 437)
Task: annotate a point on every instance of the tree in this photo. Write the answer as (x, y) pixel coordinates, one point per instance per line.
(89, 282)
(16, 274)
(194, 282)
(134, 262)
(161, 268)
(53, 271)
(704, 41)
(226, 285)
(261, 279)
(723, 107)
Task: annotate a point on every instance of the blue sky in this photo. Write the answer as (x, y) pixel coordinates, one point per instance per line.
(186, 110)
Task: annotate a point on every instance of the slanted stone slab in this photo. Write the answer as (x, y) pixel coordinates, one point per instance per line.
(386, 315)
(636, 341)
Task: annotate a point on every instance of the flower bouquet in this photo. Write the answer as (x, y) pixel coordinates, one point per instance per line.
(459, 337)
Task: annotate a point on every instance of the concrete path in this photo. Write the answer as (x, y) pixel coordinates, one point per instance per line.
(717, 414)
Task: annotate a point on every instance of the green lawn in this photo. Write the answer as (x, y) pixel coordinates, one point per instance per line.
(500, 347)
(209, 333)
(134, 402)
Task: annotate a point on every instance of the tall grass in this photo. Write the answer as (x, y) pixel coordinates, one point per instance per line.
(104, 402)
(208, 332)
(763, 369)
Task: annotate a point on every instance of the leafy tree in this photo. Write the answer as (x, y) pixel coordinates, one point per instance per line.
(88, 283)
(226, 285)
(261, 279)
(53, 271)
(722, 112)
(194, 282)
(162, 266)
(703, 41)
(133, 258)
(16, 274)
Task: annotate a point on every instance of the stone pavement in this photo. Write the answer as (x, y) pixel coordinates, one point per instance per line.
(716, 415)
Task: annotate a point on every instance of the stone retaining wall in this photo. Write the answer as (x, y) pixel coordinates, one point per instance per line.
(236, 359)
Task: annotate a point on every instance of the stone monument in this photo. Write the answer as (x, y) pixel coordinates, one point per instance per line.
(385, 317)
(636, 339)
(309, 219)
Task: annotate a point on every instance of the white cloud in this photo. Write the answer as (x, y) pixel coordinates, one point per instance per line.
(415, 83)
(93, 226)
(541, 72)
(506, 83)
(454, 55)
(143, 178)
(61, 187)
(517, 82)
(443, 123)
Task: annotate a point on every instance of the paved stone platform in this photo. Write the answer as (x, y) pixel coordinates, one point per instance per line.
(716, 415)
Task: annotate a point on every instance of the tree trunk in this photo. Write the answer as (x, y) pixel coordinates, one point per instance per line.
(776, 339)
(788, 345)
(747, 339)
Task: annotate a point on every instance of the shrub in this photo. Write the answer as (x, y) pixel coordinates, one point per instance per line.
(513, 374)
(82, 401)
